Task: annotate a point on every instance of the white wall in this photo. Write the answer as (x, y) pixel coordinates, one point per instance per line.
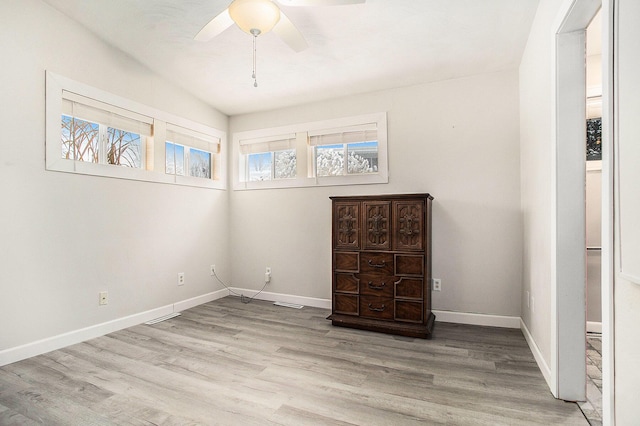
(627, 235)
(457, 140)
(66, 237)
(537, 153)
(594, 257)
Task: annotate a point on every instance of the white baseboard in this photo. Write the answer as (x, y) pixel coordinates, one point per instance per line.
(444, 316)
(477, 319)
(542, 365)
(594, 327)
(289, 298)
(38, 347)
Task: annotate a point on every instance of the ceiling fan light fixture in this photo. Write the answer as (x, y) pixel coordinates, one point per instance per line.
(252, 15)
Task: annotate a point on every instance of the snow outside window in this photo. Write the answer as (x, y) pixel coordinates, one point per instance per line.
(189, 153)
(341, 152)
(268, 159)
(347, 151)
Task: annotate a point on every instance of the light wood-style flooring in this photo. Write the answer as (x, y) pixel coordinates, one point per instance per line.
(230, 363)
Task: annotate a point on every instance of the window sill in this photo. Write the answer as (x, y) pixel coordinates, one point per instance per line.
(369, 179)
(110, 171)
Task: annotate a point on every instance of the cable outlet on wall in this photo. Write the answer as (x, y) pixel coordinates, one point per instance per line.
(180, 278)
(437, 284)
(103, 298)
(267, 275)
(213, 270)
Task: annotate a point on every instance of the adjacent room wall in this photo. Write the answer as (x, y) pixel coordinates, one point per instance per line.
(66, 237)
(457, 140)
(626, 235)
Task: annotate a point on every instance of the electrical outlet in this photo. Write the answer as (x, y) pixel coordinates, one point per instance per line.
(103, 298)
(437, 284)
(180, 278)
(267, 275)
(213, 270)
(527, 296)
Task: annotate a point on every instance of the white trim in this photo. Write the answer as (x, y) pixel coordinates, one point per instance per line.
(594, 327)
(280, 297)
(568, 320)
(441, 316)
(477, 319)
(199, 300)
(39, 347)
(537, 355)
(608, 213)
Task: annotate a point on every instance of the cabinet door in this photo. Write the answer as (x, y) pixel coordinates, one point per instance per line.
(346, 224)
(408, 225)
(376, 225)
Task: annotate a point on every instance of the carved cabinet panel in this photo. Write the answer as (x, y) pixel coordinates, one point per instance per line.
(382, 264)
(408, 225)
(346, 225)
(376, 223)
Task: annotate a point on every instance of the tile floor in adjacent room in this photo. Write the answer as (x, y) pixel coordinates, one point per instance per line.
(592, 407)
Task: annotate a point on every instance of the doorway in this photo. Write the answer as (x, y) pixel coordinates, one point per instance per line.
(592, 407)
(570, 298)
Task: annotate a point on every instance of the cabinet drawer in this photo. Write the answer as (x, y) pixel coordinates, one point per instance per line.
(409, 288)
(345, 304)
(408, 311)
(409, 264)
(346, 261)
(377, 285)
(377, 263)
(346, 283)
(376, 307)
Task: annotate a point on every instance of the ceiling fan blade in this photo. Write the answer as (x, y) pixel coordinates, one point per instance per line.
(319, 2)
(215, 26)
(290, 34)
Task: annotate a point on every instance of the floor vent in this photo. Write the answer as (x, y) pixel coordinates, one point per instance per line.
(164, 318)
(289, 305)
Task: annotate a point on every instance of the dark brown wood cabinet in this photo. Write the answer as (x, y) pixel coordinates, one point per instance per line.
(382, 264)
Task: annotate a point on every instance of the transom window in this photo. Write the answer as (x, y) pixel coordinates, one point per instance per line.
(345, 151)
(189, 153)
(269, 159)
(96, 133)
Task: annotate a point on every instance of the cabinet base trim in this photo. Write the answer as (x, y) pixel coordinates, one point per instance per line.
(423, 331)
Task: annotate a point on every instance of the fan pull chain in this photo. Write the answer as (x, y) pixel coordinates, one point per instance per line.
(255, 37)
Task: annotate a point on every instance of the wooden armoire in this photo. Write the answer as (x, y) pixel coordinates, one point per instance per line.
(382, 264)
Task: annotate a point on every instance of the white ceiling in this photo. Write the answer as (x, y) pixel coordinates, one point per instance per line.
(352, 49)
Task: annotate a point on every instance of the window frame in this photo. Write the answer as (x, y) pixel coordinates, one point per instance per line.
(153, 158)
(305, 154)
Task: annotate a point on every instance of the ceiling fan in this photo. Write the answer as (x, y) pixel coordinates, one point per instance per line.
(257, 17)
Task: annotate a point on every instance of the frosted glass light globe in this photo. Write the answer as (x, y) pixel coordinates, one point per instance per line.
(261, 15)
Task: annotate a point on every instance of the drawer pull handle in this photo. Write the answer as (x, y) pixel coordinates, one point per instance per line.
(376, 287)
(380, 309)
(377, 265)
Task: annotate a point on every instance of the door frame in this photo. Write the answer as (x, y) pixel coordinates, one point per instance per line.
(568, 323)
(569, 235)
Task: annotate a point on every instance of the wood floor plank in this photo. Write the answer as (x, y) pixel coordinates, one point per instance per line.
(231, 363)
